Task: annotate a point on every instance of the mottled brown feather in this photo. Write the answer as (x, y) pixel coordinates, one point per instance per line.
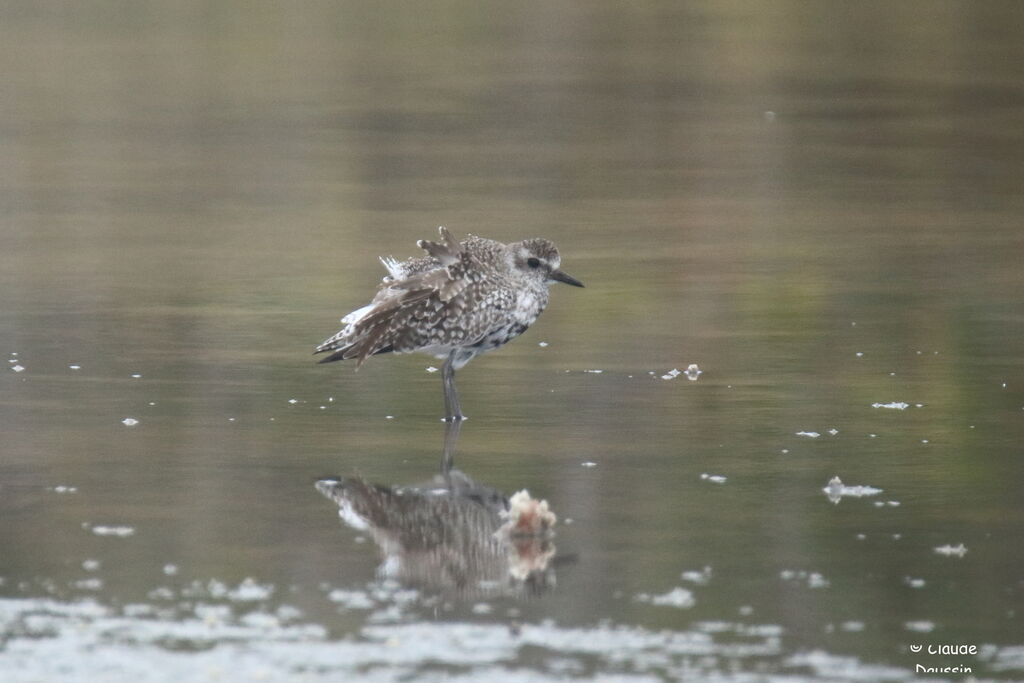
(465, 296)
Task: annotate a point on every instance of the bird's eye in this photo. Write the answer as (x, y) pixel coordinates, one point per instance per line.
(533, 262)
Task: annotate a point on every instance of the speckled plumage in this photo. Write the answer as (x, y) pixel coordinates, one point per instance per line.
(453, 534)
(461, 300)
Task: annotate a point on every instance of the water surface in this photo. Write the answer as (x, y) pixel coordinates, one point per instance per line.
(819, 204)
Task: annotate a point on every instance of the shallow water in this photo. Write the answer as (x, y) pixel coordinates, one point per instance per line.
(817, 204)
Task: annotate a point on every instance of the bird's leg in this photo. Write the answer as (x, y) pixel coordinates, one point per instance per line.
(451, 437)
(453, 413)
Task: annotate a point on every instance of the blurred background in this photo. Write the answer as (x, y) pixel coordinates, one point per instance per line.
(818, 203)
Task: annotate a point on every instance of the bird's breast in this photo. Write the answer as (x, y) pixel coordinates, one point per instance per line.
(529, 304)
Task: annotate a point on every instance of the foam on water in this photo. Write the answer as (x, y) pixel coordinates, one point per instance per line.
(250, 591)
(836, 490)
(951, 550)
(677, 597)
(894, 405)
(921, 626)
(700, 578)
(121, 531)
(49, 640)
(810, 579)
(351, 599)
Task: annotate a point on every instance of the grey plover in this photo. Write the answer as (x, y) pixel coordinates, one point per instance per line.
(461, 300)
(452, 534)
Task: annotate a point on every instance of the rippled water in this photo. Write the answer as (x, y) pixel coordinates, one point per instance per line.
(818, 204)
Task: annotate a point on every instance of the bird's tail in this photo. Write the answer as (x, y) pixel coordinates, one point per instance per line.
(350, 341)
(339, 354)
(360, 349)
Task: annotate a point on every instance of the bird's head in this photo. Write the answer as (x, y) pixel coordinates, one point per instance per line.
(538, 258)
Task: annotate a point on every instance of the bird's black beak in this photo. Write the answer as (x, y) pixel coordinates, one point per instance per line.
(565, 277)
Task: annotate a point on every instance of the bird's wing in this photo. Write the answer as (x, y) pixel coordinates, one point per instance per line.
(447, 251)
(374, 331)
(449, 280)
(407, 311)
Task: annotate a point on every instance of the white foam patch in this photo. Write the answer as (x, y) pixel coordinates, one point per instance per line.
(836, 490)
(700, 578)
(832, 667)
(951, 550)
(920, 626)
(677, 597)
(351, 599)
(51, 640)
(251, 591)
(122, 531)
(811, 579)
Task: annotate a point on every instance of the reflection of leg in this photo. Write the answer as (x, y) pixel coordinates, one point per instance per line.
(453, 413)
(451, 437)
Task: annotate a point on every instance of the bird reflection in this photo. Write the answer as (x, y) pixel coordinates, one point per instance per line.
(452, 534)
